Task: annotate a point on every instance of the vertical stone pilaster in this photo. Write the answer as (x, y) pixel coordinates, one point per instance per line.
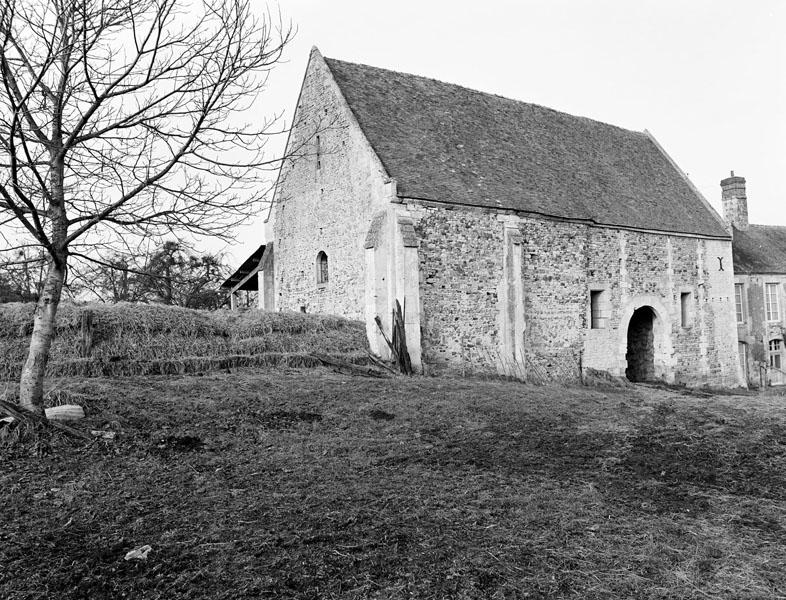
(511, 303)
(377, 249)
(408, 284)
(703, 307)
(672, 298)
(624, 281)
(393, 273)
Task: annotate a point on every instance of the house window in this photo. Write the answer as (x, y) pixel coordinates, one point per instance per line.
(771, 301)
(685, 308)
(776, 347)
(598, 310)
(322, 269)
(738, 302)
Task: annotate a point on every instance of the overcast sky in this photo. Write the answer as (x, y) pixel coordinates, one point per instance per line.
(706, 77)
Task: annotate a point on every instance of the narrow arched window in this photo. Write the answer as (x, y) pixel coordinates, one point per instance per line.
(322, 268)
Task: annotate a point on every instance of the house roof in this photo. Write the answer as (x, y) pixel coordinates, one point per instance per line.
(248, 265)
(759, 249)
(447, 143)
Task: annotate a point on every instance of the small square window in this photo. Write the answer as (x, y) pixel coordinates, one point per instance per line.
(598, 309)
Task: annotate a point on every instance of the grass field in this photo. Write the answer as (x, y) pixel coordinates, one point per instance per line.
(310, 484)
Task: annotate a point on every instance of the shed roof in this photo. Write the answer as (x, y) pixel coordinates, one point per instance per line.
(447, 143)
(248, 265)
(759, 249)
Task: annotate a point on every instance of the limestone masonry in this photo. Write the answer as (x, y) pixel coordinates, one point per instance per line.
(520, 240)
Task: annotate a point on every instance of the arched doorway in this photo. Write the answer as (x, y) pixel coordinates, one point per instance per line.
(641, 345)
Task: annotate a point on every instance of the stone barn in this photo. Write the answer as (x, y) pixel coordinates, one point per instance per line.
(519, 240)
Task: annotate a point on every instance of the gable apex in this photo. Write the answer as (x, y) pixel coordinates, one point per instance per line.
(314, 54)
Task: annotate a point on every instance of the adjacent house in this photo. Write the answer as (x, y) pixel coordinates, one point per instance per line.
(759, 253)
(520, 240)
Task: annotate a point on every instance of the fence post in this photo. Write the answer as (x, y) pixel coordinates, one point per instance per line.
(86, 334)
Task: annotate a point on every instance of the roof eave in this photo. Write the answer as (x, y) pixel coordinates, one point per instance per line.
(589, 222)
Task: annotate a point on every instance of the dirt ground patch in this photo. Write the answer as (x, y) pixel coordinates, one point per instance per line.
(310, 484)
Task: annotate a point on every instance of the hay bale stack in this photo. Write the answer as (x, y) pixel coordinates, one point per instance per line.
(135, 339)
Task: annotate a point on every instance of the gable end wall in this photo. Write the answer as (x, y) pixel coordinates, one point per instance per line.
(327, 208)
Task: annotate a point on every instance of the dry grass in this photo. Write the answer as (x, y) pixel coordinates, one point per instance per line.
(140, 339)
(307, 484)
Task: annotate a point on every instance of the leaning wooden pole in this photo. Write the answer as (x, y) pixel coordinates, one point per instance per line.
(398, 340)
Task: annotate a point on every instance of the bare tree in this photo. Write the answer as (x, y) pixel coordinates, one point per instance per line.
(119, 118)
(22, 275)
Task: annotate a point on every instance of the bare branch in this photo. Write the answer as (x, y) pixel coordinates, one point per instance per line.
(120, 122)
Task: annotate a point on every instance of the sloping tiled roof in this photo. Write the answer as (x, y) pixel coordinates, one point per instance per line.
(248, 265)
(447, 143)
(759, 249)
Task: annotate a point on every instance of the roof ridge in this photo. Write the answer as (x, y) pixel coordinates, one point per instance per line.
(448, 143)
(763, 226)
(500, 96)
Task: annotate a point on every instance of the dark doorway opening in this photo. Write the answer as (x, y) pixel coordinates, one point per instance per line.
(641, 345)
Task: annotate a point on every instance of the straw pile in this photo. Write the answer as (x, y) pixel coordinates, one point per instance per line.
(135, 339)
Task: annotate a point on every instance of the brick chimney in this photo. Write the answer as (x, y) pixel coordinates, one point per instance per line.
(735, 202)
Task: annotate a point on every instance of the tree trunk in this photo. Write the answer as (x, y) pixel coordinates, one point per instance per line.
(31, 384)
